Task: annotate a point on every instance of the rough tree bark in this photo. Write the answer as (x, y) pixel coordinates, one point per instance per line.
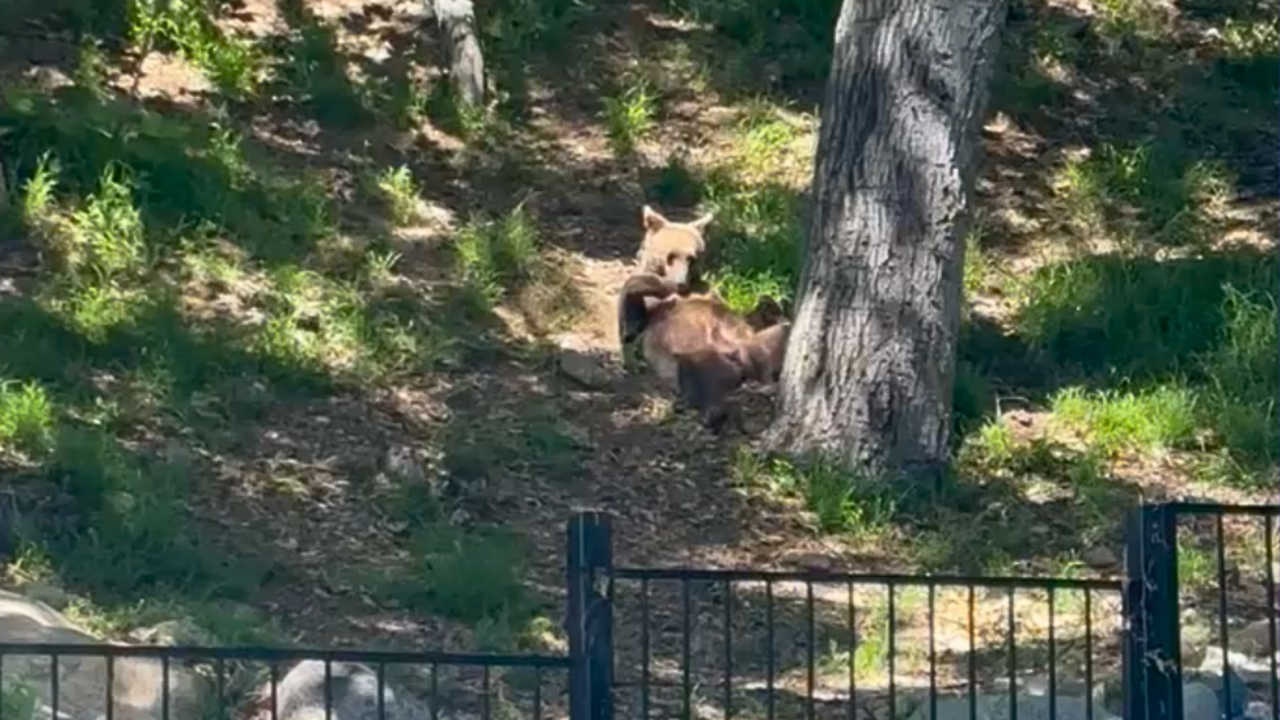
(465, 62)
(870, 365)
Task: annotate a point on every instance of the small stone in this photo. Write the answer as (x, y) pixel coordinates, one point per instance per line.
(54, 597)
(1100, 557)
(814, 561)
(1258, 710)
(587, 369)
(1200, 702)
(173, 633)
(1192, 655)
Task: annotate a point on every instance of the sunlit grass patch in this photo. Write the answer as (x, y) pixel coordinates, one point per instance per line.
(1160, 419)
(400, 193)
(629, 117)
(771, 142)
(758, 233)
(1144, 193)
(26, 417)
(839, 499)
(504, 260)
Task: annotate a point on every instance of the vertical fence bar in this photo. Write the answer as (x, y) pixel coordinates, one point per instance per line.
(1013, 656)
(53, 686)
(275, 691)
(893, 648)
(973, 651)
(728, 649)
(537, 694)
(1152, 651)
(644, 648)
(768, 656)
(933, 654)
(382, 691)
(853, 654)
(1270, 553)
(328, 689)
(486, 688)
(1088, 654)
(435, 692)
(1220, 537)
(164, 688)
(810, 641)
(1053, 660)
(111, 687)
(220, 670)
(685, 651)
(590, 617)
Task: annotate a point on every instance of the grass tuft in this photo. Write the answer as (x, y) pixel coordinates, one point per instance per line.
(400, 193)
(629, 118)
(1160, 419)
(26, 417)
(839, 500)
(466, 575)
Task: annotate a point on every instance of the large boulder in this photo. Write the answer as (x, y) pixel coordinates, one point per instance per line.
(354, 690)
(82, 690)
(997, 707)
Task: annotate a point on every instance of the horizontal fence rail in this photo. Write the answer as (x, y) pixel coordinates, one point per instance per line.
(264, 654)
(821, 577)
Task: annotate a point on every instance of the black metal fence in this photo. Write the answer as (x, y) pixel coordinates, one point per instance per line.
(685, 643)
(1162, 607)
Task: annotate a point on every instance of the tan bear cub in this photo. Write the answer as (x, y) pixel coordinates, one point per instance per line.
(672, 250)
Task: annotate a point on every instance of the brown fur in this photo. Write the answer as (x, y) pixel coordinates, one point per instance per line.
(696, 344)
(672, 250)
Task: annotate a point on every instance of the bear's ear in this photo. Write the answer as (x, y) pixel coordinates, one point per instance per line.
(702, 222)
(653, 220)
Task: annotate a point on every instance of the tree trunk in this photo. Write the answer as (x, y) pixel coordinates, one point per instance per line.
(456, 19)
(869, 369)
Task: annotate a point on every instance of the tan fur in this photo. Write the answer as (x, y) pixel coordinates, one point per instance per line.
(672, 250)
(696, 345)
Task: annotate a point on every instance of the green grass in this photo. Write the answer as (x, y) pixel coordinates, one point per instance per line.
(400, 193)
(26, 417)
(461, 574)
(1161, 419)
(1146, 192)
(1198, 334)
(840, 501)
(18, 700)
(232, 64)
(496, 256)
(629, 118)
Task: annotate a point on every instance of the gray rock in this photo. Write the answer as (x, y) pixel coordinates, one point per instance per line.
(1253, 671)
(82, 689)
(173, 633)
(1200, 702)
(587, 369)
(300, 694)
(1259, 711)
(1234, 687)
(54, 597)
(996, 707)
(1100, 557)
(1256, 639)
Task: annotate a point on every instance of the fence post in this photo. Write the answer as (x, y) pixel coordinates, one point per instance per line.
(590, 618)
(1153, 646)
